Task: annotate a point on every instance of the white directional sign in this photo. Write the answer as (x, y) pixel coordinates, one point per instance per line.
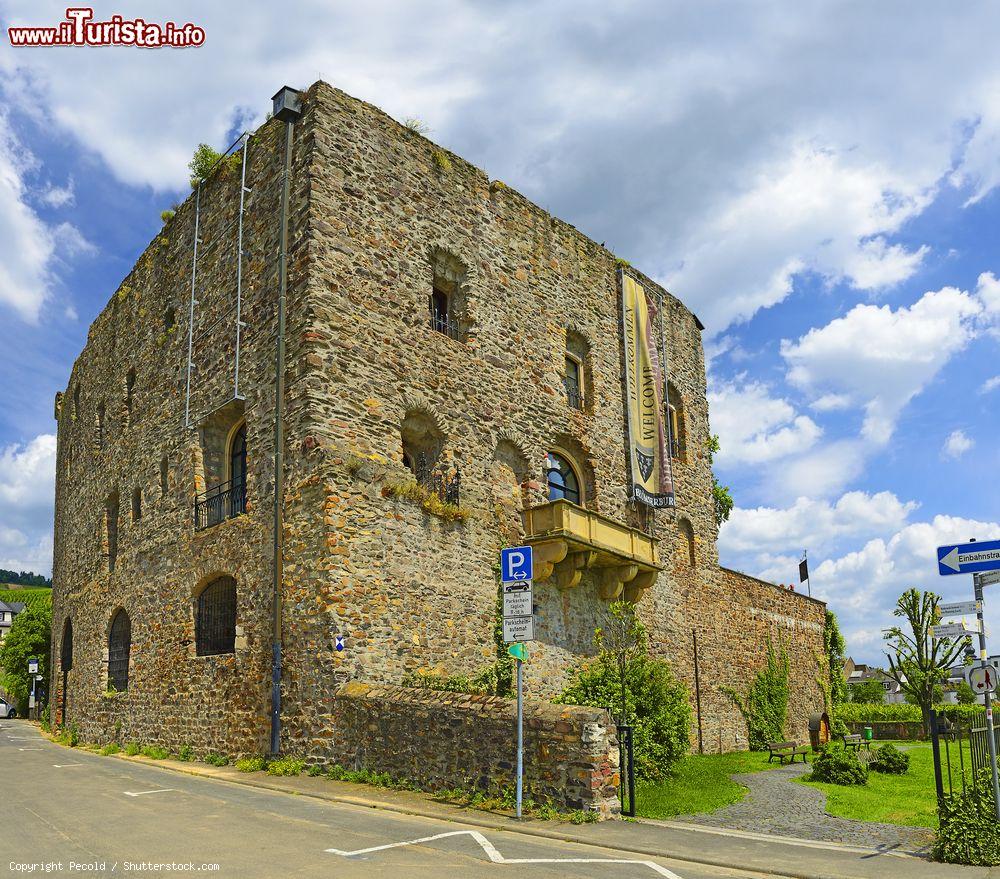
(952, 630)
(982, 679)
(959, 608)
(517, 599)
(519, 628)
(990, 578)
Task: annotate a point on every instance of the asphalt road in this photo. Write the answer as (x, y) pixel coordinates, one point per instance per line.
(74, 813)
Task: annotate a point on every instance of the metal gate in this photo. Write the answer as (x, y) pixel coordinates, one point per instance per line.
(960, 753)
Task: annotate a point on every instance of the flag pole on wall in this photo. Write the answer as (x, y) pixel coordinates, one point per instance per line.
(804, 572)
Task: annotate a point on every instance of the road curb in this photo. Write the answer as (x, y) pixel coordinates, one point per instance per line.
(457, 814)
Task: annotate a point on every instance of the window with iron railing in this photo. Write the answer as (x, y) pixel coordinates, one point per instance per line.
(215, 619)
(573, 381)
(442, 317)
(225, 501)
(447, 486)
(119, 649)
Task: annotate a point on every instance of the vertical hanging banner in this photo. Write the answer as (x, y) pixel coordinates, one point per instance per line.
(647, 438)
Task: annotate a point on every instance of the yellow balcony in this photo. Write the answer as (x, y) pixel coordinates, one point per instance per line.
(568, 540)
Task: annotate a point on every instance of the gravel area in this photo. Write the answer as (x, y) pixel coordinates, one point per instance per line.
(777, 805)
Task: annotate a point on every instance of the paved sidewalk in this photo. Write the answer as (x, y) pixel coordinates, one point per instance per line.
(766, 854)
(776, 804)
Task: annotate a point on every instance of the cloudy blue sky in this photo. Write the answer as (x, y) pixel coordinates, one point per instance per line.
(818, 180)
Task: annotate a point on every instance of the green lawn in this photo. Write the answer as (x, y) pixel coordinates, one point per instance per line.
(893, 799)
(701, 784)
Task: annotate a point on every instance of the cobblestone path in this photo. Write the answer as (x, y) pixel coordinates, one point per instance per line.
(777, 805)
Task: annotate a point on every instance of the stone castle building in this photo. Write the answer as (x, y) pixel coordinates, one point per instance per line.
(452, 384)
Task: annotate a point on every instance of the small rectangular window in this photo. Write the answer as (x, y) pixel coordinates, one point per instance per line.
(574, 382)
(137, 505)
(164, 476)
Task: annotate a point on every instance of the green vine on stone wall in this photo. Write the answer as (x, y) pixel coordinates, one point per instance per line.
(765, 705)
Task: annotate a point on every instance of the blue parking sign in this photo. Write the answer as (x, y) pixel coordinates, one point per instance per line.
(516, 564)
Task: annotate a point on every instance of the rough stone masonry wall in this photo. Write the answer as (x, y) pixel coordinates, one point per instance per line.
(175, 697)
(447, 740)
(409, 591)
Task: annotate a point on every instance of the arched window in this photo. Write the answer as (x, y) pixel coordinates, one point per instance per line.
(238, 470)
(447, 296)
(687, 541)
(562, 479)
(66, 653)
(215, 618)
(119, 648)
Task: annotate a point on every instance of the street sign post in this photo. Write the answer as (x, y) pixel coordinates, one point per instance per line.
(516, 572)
(982, 679)
(958, 608)
(969, 558)
(32, 666)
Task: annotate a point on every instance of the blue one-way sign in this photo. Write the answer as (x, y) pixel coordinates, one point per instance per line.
(516, 564)
(969, 558)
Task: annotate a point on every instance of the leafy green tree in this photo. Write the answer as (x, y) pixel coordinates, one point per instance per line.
(835, 646)
(29, 637)
(643, 690)
(720, 493)
(765, 705)
(965, 694)
(869, 692)
(917, 662)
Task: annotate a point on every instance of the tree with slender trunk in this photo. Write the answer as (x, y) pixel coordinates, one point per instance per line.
(918, 662)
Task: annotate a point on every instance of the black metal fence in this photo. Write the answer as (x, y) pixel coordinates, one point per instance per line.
(222, 502)
(961, 752)
(447, 486)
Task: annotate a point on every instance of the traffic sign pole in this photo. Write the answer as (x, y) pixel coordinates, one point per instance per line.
(990, 740)
(520, 738)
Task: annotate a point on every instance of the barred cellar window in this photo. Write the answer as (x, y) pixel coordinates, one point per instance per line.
(215, 618)
(119, 649)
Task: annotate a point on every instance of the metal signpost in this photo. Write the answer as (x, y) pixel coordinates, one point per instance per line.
(516, 571)
(977, 559)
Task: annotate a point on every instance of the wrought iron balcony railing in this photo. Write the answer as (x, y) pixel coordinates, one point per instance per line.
(574, 396)
(447, 486)
(443, 324)
(225, 501)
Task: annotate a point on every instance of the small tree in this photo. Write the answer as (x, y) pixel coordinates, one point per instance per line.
(29, 637)
(202, 162)
(765, 705)
(869, 692)
(917, 662)
(965, 694)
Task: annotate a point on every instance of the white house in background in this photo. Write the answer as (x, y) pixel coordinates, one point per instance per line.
(8, 610)
(856, 673)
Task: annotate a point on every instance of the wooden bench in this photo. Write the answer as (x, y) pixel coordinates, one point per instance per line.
(786, 750)
(855, 742)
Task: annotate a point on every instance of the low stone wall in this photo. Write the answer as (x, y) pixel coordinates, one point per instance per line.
(905, 730)
(448, 740)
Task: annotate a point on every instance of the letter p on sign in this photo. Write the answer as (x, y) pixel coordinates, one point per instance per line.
(516, 564)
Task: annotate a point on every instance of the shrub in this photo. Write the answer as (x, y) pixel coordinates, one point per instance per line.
(286, 766)
(889, 760)
(186, 753)
(839, 767)
(440, 158)
(903, 712)
(838, 727)
(656, 704)
(967, 828)
(132, 749)
(155, 752)
(110, 748)
(216, 760)
(314, 770)
(251, 764)
(68, 736)
(44, 719)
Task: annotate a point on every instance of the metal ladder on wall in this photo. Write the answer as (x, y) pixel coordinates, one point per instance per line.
(198, 342)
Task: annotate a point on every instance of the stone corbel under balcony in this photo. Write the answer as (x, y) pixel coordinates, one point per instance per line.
(568, 540)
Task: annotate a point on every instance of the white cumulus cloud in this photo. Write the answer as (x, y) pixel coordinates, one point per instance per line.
(27, 493)
(957, 444)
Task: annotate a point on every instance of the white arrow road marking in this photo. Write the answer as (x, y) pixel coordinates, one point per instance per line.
(497, 858)
(140, 793)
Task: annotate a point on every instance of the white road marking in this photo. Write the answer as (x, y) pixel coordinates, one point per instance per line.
(497, 858)
(30, 749)
(141, 793)
(65, 765)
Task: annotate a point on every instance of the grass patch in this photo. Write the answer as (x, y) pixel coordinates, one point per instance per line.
(155, 752)
(701, 783)
(909, 800)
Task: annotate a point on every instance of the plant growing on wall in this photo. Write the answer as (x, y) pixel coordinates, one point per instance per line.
(641, 690)
(917, 662)
(720, 493)
(765, 705)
